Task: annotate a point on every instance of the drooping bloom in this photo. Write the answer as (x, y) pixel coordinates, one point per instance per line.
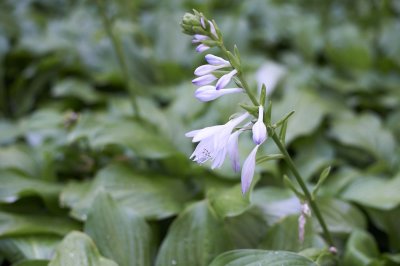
(225, 79)
(233, 149)
(209, 93)
(248, 170)
(259, 136)
(213, 141)
(204, 80)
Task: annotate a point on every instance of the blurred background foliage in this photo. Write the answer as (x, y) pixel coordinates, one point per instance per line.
(86, 180)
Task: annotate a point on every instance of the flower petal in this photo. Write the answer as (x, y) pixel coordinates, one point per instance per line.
(204, 80)
(225, 79)
(233, 150)
(201, 48)
(248, 170)
(206, 69)
(209, 93)
(259, 130)
(216, 60)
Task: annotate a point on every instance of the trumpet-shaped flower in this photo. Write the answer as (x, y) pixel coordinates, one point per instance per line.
(209, 93)
(207, 69)
(216, 60)
(259, 129)
(204, 80)
(225, 79)
(248, 168)
(233, 149)
(214, 141)
(201, 48)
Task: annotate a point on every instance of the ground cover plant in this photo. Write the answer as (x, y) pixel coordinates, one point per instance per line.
(296, 160)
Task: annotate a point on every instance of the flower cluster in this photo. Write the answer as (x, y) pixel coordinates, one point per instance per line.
(215, 143)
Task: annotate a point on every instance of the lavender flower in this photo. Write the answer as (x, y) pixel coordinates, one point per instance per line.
(225, 79)
(214, 141)
(259, 129)
(204, 80)
(248, 170)
(209, 93)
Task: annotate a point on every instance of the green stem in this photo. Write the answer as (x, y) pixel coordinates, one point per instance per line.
(288, 160)
(120, 56)
(303, 187)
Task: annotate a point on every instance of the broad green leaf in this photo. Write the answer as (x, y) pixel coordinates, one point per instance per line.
(119, 233)
(347, 48)
(247, 229)
(194, 238)
(16, 186)
(309, 108)
(20, 248)
(284, 235)
(78, 249)
(378, 141)
(149, 195)
(19, 158)
(340, 216)
(388, 222)
(249, 257)
(374, 192)
(361, 249)
(275, 203)
(138, 136)
(229, 202)
(72, 87)
(32, 263)
(19, 224)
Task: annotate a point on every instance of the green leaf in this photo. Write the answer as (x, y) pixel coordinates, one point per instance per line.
(78, 249)
(310, 110)
(361, 249)
(248, 257)
(284, 235)
(119, 233)
(140, 137)
(18, 224)
(19, 158)
(347, 48)
(72, 87)
(229, 202)
(20, 248)
(374, 192)
(340, 216)
(151, 196)
(32, 263)
(16, 186)
(378, 141)
(194, 238)
(321, 180)
(388, 222)
(247, 229)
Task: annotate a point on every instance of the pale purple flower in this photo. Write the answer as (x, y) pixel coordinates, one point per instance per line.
(204, 80)
(209, 93)
(248, 168)
(259, 129)
(207, 69)
(213, 141)
(201, 48)
(213, 31)
(216, 60)
(203, 23)
(225, 79)
(233, 149)
(198, 38)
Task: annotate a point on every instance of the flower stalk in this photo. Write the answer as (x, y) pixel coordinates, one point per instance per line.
(195, 24)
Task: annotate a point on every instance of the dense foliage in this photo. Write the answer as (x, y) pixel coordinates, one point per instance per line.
(88, 178)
